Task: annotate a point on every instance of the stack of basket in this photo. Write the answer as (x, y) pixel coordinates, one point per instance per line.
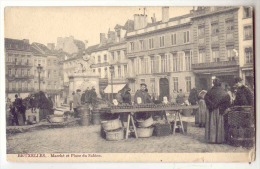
(112, 130)
(241, 126)
(145, 127)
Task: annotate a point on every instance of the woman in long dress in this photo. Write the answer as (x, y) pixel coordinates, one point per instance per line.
(217, 101)
(203, 110)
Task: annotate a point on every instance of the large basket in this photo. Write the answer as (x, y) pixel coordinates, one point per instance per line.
(145, 132)
(145, 123)
(111, 124)
(115, 135)
(241, 116)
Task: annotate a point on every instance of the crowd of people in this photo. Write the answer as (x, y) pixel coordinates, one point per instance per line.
(213, 105)
(78, 99)
(16, 110)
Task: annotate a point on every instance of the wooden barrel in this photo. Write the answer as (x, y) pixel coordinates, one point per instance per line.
(85, 120)
(83, 110)
(84, 116)
(96, 117)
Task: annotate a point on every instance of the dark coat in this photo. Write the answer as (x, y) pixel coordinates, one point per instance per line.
(217, 97)
(244, 97)
(126, 97)
(146, 98)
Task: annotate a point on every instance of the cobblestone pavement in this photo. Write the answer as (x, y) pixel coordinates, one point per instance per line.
(79, 139)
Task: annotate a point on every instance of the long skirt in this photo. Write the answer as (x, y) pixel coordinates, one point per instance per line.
(214, 129)
(201, 113)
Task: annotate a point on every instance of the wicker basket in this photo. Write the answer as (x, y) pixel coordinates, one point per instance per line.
(111, 124)
(145, 123)
(241, 116)
(145, 132)
(115, 135)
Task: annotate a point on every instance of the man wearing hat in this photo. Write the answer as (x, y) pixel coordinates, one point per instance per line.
(141, 97)
(76, 102)
(244, 97)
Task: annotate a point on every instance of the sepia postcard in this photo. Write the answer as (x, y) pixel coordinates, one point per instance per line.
(130, 84)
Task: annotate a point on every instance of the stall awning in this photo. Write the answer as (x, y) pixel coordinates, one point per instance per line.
(116, 88)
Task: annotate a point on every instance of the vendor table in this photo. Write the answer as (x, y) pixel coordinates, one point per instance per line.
(170, 109)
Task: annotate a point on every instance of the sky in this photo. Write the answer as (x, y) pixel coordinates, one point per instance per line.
(45, 24)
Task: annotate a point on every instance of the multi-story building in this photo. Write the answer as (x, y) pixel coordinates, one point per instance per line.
(118, 57)
(51, 73)
(18, 61)
(246, 48)
(160, 54)
(102, 58)
(219, 45)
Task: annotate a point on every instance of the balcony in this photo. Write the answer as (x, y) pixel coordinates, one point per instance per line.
(210, 65)
(9, 76)
(19, 64)
(19, 90)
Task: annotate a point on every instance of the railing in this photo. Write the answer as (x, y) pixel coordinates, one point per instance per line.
(15, 90)
(215, 64)
(20, 76)
(19, 63)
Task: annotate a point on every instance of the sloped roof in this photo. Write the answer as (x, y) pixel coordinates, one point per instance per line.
(15, 44)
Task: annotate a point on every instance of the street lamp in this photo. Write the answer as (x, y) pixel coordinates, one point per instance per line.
(39, 69)
(112, 70)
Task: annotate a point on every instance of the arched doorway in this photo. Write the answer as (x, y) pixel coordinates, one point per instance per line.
(164, 88)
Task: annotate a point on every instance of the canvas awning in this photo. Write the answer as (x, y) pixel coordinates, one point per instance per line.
(116, 88)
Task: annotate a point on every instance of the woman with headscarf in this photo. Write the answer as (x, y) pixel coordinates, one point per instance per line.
(217, 101)
(203, 111)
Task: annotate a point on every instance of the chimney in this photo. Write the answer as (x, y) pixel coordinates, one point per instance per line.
(153, 18)
(165, 14)
(102, 38)
(26, 41)
(140, 21)
(51, 46)
(111, 36)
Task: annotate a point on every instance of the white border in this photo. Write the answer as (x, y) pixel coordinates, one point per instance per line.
(8, 165)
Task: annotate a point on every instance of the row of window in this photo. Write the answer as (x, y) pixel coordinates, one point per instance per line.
(121, 71)
(230, 55)
(19, 72)
(152, 85)
(248, 31)
(179, 61)
(173, 41)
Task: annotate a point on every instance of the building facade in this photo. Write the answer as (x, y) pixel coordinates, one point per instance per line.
(51, 80)
(160, 55)
(19, 68)
(246, 49)
(220, 48)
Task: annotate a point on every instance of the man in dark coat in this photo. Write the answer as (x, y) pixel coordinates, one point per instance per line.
(145, 98)
(20, 108)
(143, 94)
(244, 97)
